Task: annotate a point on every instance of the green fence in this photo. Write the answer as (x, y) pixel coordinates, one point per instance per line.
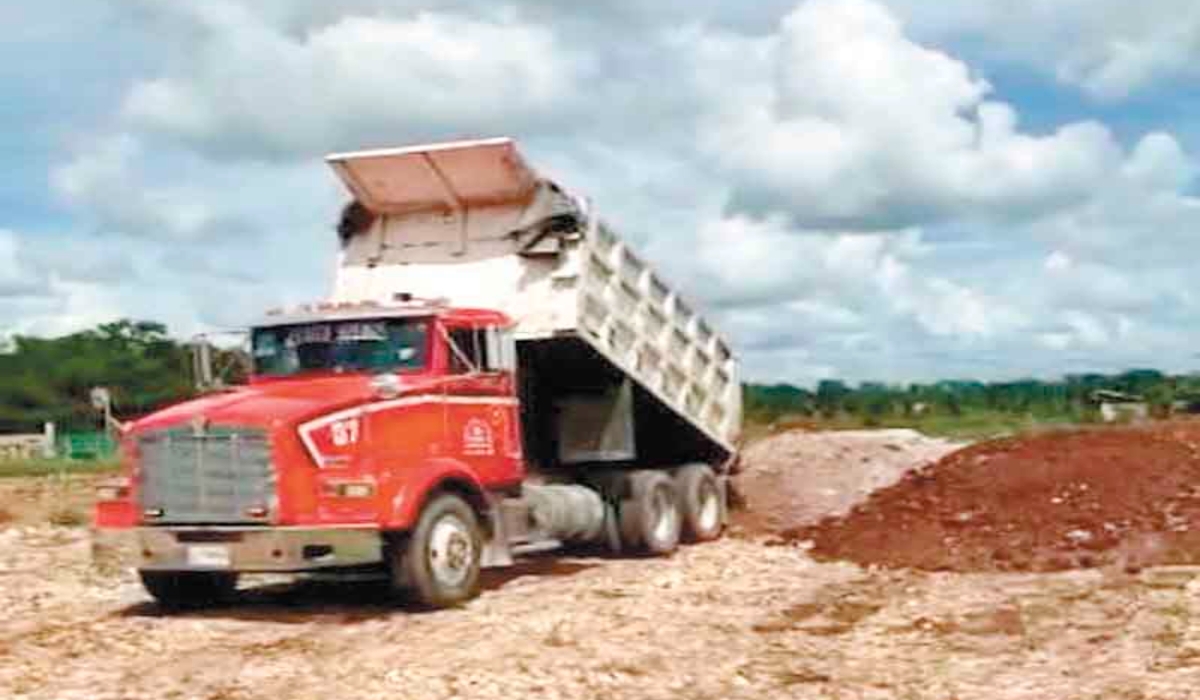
(89, 446)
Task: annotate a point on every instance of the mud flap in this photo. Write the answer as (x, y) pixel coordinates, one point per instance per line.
(496, 551)
(612, 528)
(723, 486)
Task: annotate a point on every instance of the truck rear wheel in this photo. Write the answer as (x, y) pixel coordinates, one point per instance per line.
(700, 501)
(189, 589)
(440, 562)
(649, 519)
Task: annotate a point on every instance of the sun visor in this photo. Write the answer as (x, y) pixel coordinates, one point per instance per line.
(456, 175)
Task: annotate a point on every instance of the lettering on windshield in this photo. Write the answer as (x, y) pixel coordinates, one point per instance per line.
(341, 332)
(370, 345)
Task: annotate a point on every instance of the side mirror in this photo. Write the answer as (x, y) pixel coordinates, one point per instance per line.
(205, 374)
(101, 399)
(202, 368)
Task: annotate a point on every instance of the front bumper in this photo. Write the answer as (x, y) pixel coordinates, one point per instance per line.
(266, 549)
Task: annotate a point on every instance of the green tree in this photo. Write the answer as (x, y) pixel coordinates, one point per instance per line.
(51, 379)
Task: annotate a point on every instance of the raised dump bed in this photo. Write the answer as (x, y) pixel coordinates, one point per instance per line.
(470, 222)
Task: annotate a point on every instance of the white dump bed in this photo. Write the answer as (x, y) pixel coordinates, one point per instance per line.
(472, 223)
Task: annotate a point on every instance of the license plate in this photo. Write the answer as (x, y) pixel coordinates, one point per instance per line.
(212, 556)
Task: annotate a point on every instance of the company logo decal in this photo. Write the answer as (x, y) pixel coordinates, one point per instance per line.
(477, 438)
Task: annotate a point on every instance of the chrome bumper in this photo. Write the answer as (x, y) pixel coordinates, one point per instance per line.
(256, 549)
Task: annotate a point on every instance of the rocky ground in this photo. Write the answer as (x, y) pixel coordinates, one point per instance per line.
(751, 616)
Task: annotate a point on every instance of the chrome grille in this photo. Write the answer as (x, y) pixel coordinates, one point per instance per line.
(212, 476)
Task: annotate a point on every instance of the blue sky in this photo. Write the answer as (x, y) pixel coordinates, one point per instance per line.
(863, 189)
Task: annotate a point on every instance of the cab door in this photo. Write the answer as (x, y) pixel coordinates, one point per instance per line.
(482, 412)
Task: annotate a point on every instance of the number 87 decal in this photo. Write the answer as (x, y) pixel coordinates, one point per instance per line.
(344, 432)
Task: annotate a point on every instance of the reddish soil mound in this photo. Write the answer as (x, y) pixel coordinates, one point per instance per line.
(1116, 496)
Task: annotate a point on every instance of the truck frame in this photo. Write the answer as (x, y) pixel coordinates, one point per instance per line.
(495, 372)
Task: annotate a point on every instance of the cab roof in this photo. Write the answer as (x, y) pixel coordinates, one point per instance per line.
(326, 312)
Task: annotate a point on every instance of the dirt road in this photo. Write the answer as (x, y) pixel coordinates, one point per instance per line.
(736, 618)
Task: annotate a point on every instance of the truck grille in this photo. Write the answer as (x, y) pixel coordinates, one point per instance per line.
(219, 475)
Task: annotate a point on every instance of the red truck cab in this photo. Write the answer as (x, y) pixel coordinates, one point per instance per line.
(355, 416)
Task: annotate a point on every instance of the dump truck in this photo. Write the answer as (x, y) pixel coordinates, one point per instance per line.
(496, 372)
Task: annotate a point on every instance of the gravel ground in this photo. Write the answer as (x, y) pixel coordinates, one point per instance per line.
(732, 619)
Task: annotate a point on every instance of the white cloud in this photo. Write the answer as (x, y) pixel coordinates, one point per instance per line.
(1141, 214)
(39, 301)
(16, 277)
(854, 123)
(844, 191)
(829, 279)
(105, 183)
(250, 89)
(1108, 48)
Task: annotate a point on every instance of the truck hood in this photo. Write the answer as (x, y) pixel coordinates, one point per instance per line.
(276, 403)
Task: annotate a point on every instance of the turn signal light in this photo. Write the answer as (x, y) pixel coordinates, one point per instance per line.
(113, 490)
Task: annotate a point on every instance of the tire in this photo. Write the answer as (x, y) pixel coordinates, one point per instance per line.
(439, 561)
(189, 589)
(650, 518)
(700, 503)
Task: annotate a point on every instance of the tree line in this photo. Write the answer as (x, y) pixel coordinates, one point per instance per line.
(1070, 398)
(50, 379)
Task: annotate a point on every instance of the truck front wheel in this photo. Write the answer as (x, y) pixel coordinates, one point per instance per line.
(440, 562)
(189, 589)
(650, 519)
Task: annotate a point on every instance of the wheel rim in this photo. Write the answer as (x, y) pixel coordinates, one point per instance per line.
(666, 514)
(451, 551)
(709, 516)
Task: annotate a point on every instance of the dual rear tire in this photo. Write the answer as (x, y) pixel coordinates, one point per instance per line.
(663, 509)
(702, 501)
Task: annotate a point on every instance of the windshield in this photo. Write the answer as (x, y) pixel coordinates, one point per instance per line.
(341, 346)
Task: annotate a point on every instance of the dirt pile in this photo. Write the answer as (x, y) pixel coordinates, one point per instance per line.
(798, 477)
(1127, 497)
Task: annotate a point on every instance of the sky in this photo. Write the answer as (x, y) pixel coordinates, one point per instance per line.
(891, 190)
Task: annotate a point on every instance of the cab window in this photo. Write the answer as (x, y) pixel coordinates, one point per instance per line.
(487, 349)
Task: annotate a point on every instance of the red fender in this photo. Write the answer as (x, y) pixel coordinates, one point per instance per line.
(412, 489)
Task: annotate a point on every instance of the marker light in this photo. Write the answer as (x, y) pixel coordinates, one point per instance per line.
(350, 489)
